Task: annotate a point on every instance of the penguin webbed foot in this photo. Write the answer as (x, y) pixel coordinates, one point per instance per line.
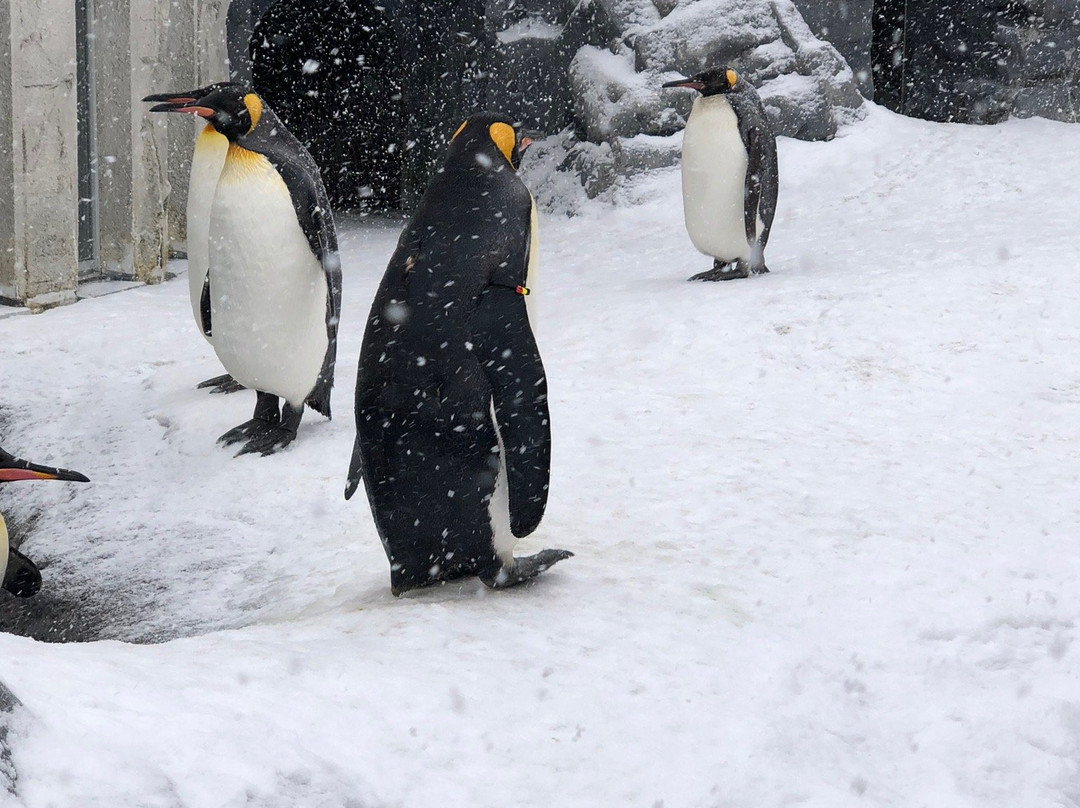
(277, 436)
(221, 384)
(524, 569)
(249, 430)
(724, 271)
(22, 578)
(273, 440)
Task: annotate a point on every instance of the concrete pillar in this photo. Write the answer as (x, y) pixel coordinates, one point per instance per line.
(38, 152)
(197, 57)
(130, 40)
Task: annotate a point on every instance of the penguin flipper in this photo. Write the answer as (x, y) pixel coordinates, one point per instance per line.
(503, 342)
(761, 168)
(204, 308)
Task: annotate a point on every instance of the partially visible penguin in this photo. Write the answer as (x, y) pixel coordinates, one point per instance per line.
(453, 440)
(729, 173)
(207, 160)
(18, 574)
(272, 295)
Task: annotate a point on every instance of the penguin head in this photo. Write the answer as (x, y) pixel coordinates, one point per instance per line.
(233, 109)
(715, 81)
(490, 140)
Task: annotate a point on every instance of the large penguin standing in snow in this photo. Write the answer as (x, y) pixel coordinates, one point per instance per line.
(272, 295)
(729, 173)
(18, 574)
(452, 433)
(211, 148)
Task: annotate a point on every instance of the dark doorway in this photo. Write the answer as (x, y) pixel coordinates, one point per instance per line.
(88, 241)
(331, 70)
(887, 53)
(374, 90)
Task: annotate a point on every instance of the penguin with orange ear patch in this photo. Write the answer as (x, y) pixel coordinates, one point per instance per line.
(207, 160)
(453, 441)
(18, 574)
(272, 295)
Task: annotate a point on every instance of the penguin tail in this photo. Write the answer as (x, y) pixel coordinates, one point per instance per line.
(356, 470)
(319, 399)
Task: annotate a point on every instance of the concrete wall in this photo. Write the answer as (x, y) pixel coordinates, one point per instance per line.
(131, 61)
(197, 56)
(139, 47)
(38, 190)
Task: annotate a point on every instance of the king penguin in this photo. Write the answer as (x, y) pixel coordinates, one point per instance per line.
(207, 160)
(18, 574)
(272, 295)
(453, 440)
(729, 174)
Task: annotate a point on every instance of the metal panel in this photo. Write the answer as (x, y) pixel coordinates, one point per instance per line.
(89, 236)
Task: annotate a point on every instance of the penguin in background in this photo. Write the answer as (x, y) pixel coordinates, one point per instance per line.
(207, 160)
(18, 574)
(730, 174)
(453, 440)
(272, 295)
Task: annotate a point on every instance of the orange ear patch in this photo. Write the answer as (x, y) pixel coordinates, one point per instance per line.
(255, 108)
(504, 136)
(732, 77)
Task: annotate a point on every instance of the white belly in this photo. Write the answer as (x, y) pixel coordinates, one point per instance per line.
(4, 548)
(499, 507)
(268, 292)
(206, 164)
(714, 180)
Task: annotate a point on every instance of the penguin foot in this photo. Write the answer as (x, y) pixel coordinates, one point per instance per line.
(760, 269)
(724, 272)
(271, 441)
(279, 435)
(221, 384)
(247, 431)
(524, 569)
(22, 579)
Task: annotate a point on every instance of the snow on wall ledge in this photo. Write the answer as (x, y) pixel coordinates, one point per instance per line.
(807, 87)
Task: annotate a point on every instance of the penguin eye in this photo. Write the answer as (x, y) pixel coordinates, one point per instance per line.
(732, 77)
(458, 130)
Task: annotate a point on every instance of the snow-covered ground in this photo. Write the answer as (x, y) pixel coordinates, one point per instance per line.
(826, 525)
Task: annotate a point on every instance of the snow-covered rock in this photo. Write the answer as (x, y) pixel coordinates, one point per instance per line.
(807, 87)
(8, 703)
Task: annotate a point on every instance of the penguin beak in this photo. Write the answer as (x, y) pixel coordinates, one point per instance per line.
(189, 108)
(689, 84)
(12, 469)
(172, 98)
(524, 144)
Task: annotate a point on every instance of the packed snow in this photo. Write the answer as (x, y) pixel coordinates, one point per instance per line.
(825, 524)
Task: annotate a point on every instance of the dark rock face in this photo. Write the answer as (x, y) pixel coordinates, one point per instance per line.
(376, 90)
(978, 61)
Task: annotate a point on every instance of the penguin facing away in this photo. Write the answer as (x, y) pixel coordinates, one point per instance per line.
(453, 440)
(272, 296)
(18, 574)
(730, 174)
(207, 160)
